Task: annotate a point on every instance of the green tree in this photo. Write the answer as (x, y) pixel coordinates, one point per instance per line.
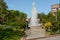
(3, 8)
(50, 17)
(42, 17)
(3, 5)
(58, 15)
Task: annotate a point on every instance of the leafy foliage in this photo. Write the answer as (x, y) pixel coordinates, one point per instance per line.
(49, 22)
(12, 23)
(42, 17)
(9, 34)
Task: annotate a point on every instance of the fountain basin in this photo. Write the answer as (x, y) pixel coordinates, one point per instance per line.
(36, 32)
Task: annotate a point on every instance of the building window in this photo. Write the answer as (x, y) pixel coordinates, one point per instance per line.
(54, 9)
(59, 8)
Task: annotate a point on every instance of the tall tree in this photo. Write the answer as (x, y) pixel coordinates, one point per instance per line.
(3, 4)
(58, 15)
(50, 17)
(42, 17)
(3, 8)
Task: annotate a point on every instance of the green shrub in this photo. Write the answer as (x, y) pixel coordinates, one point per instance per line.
(58, 31)
(10, 34)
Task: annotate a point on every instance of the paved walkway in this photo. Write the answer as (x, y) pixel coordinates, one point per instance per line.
(45, 38)
(49, 38)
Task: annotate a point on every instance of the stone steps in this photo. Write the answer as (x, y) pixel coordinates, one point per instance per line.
(36, 32)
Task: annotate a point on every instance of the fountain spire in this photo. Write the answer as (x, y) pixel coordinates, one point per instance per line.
(35, 30)
(33, 3)
(33, 21)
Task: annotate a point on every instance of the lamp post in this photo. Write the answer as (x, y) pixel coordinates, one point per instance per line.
(55, 12)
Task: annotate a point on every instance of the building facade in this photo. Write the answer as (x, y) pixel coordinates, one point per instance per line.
(54, 8)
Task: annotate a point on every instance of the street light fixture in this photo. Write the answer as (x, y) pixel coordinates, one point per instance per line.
(55, 11)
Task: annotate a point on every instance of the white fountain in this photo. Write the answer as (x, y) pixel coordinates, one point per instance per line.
(35, 30)
(33, 21)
